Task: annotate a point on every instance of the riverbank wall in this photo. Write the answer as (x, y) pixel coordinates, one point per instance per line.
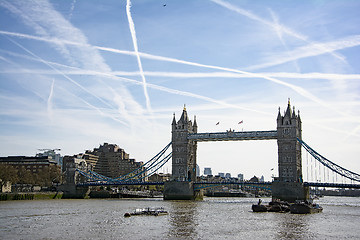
(30, 196)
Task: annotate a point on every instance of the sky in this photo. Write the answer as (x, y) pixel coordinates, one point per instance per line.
(77, 73)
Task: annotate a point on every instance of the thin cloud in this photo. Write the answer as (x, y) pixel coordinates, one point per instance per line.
(311, 50)
(277, 27)
(295, 88)
(71, 80)
(49, 100)
(72, 7)
(36, 15)
(134, 40)
(348, 42)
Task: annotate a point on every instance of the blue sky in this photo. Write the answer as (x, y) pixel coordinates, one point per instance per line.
(75, 74)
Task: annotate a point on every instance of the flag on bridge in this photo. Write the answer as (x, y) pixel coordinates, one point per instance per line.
(240, 122)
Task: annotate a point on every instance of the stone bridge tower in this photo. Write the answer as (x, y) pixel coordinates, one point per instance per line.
(289, 185)
(289, 148)
(183, 150)
(180, 186)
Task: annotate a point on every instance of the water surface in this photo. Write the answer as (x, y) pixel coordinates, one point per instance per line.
(213, 218)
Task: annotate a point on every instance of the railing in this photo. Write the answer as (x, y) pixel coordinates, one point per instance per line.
(329, 164)
(233, 136)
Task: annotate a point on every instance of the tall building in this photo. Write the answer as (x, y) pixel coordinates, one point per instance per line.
(111, 161)
(221, 174)
(207, 171)
(227, 175)
(289, 149)
(51, 153)
(183, 150)
(197, 170)
(241, 177)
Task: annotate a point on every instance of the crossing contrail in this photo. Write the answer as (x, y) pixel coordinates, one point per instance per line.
(351, 42)
(71, 80)
(36, 15)
(134, 40)
(275, 26)
(113, 75)
(278, 31)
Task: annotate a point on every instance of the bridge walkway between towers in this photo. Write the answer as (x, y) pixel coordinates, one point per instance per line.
(233, 136)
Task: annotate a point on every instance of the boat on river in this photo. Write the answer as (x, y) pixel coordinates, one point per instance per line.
(273, 206)
(305, 207)
(147, 212)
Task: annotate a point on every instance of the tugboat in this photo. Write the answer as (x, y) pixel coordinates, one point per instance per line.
(147, 211)
(305, 207)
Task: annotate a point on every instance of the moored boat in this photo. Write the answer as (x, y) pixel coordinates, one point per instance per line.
(147, 211)
(273, 206)
(259, 208)
(305, 207)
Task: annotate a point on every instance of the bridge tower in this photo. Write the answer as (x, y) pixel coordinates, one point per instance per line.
(289, 185)
(180, 185)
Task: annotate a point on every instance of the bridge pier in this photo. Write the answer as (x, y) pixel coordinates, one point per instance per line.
(176, 190)
(70, 190)
(290, 191)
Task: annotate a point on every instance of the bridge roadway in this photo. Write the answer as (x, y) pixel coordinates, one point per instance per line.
(233, 136)
(310, 184)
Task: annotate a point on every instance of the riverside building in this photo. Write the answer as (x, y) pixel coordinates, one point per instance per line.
(111, 161)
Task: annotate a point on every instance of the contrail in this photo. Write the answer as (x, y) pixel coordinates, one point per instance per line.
(301, 91)
(71, 80)
(280, 27)
(302, 52)
(310, 51)
(133, 36)
(49, 100)
(189, 94)
(280, 35)
(222, 74)
(36, 14)
(72, 9)
(153, 86)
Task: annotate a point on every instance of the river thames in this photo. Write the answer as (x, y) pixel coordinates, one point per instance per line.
(212, 218)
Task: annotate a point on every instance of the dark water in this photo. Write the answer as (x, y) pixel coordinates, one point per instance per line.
(213, 218)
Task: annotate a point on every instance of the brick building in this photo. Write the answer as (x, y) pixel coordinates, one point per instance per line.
(32, 164)
(110, 160)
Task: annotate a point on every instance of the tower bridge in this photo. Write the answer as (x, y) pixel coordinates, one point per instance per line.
(289, 184)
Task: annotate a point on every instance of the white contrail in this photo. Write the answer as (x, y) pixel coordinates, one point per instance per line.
(153, 86)
(307, 51)
(134, 40)
(72, 7)
(279, 27)
(64, 75)
(291, 75)
(36, 14)
(188, 94)
(301, 91)
(49, 100)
